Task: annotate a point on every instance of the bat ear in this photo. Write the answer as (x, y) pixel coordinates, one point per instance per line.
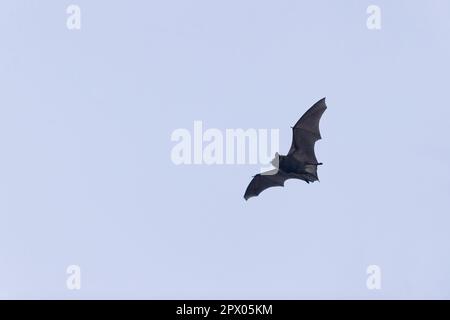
(276, 160)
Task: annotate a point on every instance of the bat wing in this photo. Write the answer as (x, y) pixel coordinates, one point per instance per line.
(268, 179)
(305, 133)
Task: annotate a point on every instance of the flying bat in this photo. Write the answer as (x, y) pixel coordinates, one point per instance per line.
(300, 162)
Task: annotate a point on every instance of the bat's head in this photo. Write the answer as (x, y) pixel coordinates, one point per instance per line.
(276, 160)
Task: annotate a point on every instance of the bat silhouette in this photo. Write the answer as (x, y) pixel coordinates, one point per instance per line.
(300, 162)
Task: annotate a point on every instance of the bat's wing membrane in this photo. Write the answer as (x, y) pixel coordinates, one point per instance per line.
(272, 178)
(305, 133)
(263, 181)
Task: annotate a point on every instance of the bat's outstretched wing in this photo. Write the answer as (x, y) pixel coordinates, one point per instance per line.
(263, 181)
(268, 179)
(305, 133)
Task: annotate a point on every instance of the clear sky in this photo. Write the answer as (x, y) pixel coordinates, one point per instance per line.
(86, 176)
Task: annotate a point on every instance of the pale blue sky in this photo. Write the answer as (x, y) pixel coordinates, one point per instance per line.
(85, 170)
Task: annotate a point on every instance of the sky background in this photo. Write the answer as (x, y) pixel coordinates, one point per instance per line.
(86, 176)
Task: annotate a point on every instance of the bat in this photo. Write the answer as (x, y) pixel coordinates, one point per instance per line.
(300, 162)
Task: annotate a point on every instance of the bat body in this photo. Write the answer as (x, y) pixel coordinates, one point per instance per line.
(300, 162)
